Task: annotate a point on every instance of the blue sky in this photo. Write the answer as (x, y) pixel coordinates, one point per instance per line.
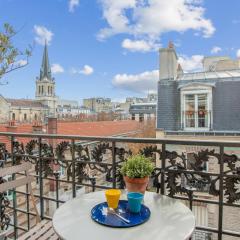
(109, 48)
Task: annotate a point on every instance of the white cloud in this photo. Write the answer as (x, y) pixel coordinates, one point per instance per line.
(190, 64)
(142, 82)
(139, 45)
(216, 49)
(42, 35)
(86, 70)
(238, 53)
(21, 62)
(149, 19)
(57, 68)
(72, 4)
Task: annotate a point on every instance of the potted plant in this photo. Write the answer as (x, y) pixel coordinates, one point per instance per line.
(136, 171)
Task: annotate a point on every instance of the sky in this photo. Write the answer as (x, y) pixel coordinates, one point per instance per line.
(109, 48)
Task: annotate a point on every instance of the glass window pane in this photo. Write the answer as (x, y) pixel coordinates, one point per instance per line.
(202, 111)
(189, 111)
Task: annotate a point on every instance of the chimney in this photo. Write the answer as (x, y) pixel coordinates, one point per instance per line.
(179, 70)
(52, 129)
(52, 125)
(168, 62)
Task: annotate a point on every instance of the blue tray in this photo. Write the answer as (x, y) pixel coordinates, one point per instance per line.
(100, 215)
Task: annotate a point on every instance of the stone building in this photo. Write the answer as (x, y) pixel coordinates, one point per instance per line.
(46, 103)
(28, 110)
(143, 111)
(98, 105)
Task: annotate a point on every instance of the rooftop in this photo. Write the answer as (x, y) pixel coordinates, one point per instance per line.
(100, 128)
(25, 103)
(235, 73)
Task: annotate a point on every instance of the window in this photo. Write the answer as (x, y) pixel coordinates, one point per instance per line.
(196, 106)
(42, 89)
(25, 117)
(13, 116)
(35, 116)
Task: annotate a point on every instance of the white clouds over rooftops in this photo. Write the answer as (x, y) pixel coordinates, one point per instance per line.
(72, 4)
(147, 81)
(57, 68)
(42, 35)
(190, 64)
(86, 70)
(141, 83)
(216, 49)
(149, 19)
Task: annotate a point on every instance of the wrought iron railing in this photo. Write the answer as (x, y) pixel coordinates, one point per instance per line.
(94, 163)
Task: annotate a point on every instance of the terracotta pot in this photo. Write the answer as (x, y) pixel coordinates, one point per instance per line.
(136, 184)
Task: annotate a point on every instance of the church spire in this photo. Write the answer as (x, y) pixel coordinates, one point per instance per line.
(45, 68)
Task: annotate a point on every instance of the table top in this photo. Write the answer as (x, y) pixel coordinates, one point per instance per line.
(170, 220)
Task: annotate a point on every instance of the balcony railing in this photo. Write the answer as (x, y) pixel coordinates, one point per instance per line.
(208, 182)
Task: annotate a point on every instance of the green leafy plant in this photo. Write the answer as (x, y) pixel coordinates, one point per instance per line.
(137, 166)
(11, 58)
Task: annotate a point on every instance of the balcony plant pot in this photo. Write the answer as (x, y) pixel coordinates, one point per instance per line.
(136, 171)
(136, 184)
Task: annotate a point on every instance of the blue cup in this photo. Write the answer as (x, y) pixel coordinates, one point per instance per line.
(135, 201)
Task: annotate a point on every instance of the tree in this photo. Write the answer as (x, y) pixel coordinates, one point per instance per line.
(11, 58)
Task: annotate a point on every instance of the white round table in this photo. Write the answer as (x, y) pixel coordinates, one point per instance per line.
(170, 220)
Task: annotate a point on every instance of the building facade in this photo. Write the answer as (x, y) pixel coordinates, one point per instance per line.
(207, 101)
(143, 111)
(98, 104)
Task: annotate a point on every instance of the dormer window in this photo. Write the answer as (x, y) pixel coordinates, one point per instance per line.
(196, 108)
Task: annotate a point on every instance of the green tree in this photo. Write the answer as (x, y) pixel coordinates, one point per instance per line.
(11, 58)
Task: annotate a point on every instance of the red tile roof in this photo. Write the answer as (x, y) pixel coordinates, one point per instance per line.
(104, 128)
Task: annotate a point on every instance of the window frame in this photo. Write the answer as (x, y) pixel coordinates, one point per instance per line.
(196, 90)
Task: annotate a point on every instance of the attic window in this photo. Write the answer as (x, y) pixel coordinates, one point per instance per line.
(196, 109)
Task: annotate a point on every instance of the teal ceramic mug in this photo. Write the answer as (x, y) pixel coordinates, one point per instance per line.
(135, 201)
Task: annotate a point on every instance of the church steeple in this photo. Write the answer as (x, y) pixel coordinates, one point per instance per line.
(45, 85)
(45, 71)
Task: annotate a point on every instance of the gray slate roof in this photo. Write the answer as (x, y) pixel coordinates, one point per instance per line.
(210, 75)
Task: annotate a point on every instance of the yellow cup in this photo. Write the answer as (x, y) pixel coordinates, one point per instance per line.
(112, 196)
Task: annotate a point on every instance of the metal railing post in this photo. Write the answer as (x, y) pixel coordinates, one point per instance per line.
(56, 174)
(220, 209)
(163, 165)
(15, 221)
(73, 168)
(41, 177)
(114, 182)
